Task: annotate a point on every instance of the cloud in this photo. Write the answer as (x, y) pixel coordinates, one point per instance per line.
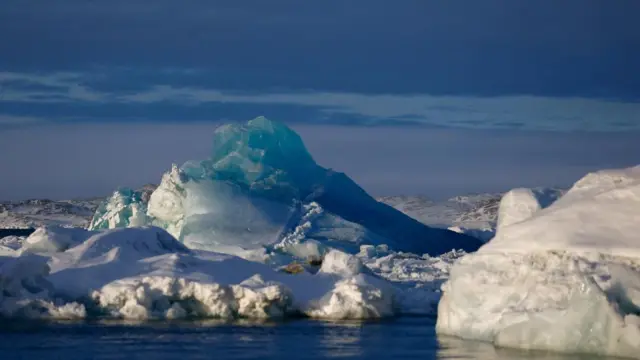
(81, 97)
(529, 112)
(9, 120)
(454, 47)
(43, 88)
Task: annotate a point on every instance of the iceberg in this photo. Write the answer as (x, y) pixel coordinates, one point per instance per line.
(261, 193)
(562, 278)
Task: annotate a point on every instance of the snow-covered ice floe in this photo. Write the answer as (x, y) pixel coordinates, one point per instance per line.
(563, 278)
(145, 273)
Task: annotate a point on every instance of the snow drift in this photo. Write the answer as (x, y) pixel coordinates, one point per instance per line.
(261, 189)
(563, 278)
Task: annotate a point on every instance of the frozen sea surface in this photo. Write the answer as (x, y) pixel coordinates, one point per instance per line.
(404, 338)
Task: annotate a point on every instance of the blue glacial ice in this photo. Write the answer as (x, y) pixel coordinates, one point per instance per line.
(261, 189)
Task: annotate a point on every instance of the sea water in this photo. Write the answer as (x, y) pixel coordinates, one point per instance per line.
(404, 338)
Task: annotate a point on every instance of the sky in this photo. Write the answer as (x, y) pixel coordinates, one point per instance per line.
(407, 97)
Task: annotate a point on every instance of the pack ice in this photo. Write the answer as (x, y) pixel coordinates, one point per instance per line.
(261, 193)
(563, 278)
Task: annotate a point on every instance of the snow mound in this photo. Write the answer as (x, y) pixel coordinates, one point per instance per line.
(337, 262)
(133, 243)
(54, 239)
(566, 279)
(261, 189)
(605, 180)
(356, 297)
(520, 204)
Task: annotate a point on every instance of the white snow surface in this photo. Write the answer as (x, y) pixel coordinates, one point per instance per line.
(52, 239)
(24, 291)
(145, 273)
(563, 278)
(600, 213)
(522, 203)
(517, 205)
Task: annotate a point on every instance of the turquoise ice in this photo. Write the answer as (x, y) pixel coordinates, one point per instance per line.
(125, 208)
(262, 189)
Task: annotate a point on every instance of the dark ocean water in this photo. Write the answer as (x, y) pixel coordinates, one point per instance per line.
(406, 338)
(16, 232)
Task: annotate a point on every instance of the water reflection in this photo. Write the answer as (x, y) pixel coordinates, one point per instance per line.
(341, 339)
(454, 348)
